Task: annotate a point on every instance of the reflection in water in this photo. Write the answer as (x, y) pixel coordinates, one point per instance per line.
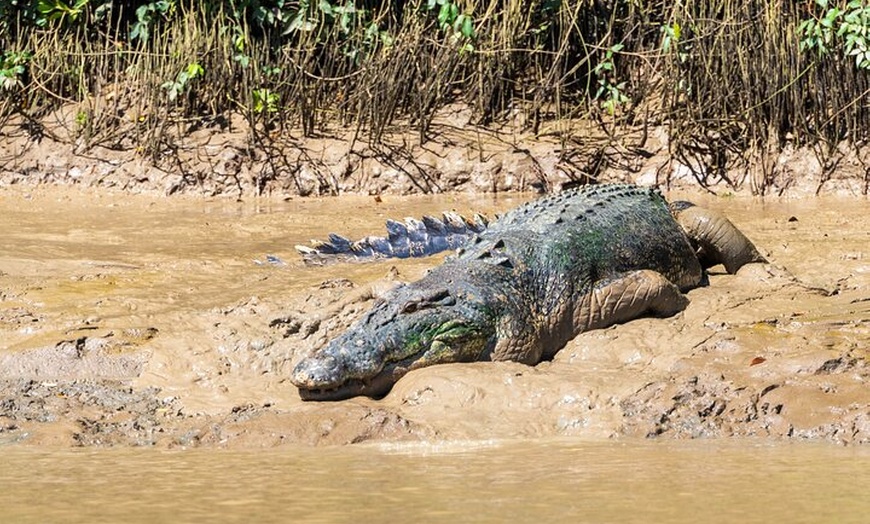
(544, 480)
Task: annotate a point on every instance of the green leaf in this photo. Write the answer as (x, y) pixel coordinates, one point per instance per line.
(194, 70)
(444, 15)
(243, 60)
(830, 17)
(466, 26)
(139, 30)
(44, 7)
(447, 15)
(326, 7)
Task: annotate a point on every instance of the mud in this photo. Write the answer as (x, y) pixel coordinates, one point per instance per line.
(138, 321)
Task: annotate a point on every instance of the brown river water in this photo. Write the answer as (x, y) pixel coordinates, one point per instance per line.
(550, 480)
(145, 345)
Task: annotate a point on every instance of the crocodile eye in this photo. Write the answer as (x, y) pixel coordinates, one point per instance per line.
(439, 297)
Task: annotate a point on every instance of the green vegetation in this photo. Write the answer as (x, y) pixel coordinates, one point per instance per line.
(847, 28)
(728, 78)
(12, 68)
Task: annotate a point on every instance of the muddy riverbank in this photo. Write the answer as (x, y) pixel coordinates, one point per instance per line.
(137, 320)
(458, 156)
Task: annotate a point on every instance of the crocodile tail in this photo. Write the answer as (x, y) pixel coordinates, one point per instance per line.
(411, 238)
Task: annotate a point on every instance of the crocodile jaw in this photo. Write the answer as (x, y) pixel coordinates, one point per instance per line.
(376, 387)
(323, 377)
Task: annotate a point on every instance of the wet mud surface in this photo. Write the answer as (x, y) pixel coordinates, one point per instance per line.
(137, 321)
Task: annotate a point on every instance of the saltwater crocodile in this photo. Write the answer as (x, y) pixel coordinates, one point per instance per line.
(521, 289)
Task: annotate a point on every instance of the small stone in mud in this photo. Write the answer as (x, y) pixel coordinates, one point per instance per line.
(836, 365)
(334, 283)
(310, 327)
(296, 324)
(259, 344)
(289, 321)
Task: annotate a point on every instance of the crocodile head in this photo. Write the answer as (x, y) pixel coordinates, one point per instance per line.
(418, 326)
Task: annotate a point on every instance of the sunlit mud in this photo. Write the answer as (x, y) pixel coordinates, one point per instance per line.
(131, 320)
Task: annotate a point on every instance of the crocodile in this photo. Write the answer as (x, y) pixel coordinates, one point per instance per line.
(528, 283)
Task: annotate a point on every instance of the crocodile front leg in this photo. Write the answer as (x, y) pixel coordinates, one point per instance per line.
(612, 301)
(627, 297)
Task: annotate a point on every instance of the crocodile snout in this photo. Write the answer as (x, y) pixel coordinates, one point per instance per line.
(322, 376)
(318, 372)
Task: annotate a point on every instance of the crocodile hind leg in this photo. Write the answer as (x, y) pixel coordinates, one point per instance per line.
(716, 239)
